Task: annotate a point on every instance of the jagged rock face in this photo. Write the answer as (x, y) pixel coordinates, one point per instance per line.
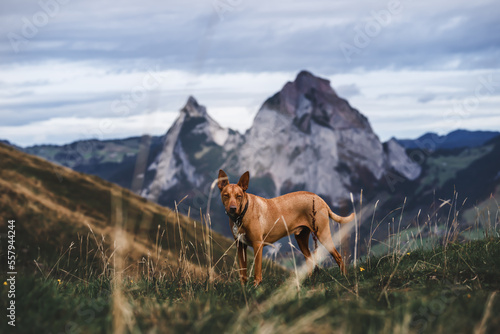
(193, 148)
(305, 137)
(310, 98)
(400, 162)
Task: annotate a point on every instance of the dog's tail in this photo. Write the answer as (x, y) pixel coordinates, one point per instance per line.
(340, 219)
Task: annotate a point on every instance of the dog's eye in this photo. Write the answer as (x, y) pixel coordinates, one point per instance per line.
(225, 196)
(239, 196)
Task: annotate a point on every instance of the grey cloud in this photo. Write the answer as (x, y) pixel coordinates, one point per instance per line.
(258, 36)
(261, 36)
(37, 109)
(347, 91)
(426, 98)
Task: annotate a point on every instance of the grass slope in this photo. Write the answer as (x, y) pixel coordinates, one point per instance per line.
(450, 289)
(112, 160)
(156, 276)
(60, 211)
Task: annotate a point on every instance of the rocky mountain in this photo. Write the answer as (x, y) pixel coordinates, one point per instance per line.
(305, 137)
(456, 139)
(193, 150)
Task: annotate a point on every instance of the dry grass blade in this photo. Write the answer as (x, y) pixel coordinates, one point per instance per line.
(481, 329)
(384, 290)
(59, 259)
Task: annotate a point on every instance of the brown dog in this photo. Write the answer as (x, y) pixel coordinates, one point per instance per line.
(256, 221)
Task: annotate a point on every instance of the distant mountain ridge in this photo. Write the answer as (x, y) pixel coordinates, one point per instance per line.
(113, 160)
(456, 139)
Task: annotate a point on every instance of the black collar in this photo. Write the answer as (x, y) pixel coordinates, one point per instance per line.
(238, 219)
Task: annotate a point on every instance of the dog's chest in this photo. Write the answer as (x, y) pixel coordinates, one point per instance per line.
(238, 235)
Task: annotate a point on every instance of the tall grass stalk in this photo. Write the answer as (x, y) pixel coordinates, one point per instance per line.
(370, 237)
(356, 239)
(398, 240)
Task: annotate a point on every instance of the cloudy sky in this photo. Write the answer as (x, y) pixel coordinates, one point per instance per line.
(73, 69)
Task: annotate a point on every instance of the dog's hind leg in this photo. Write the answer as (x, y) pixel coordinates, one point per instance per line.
(303, 242)
(326, 240)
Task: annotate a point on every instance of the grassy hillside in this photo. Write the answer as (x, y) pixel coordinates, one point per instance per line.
(452, 289)
(112, 160)
(62, 212)
(93, 257)
(92, 151)
(457, 187)
(443, 166)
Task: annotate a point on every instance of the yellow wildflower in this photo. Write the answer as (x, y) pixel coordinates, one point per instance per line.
(361, 269)
(59, 281)
(4, 283)
(408, 253)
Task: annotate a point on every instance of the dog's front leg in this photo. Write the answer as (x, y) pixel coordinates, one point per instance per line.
(242, 257)
(257, 248)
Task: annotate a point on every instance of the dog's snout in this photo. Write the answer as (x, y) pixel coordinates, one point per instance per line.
(232, 208)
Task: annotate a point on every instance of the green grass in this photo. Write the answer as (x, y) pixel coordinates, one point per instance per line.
(82, 152)
(441, 167)
(442, 290)
(485, 213)
(165, 285)
(55, 207)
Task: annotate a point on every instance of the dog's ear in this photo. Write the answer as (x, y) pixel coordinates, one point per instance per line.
(223, 180)
(244, 179)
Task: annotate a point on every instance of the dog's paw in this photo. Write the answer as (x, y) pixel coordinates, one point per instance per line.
(256, 283)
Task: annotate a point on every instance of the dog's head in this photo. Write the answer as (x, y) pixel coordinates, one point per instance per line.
(233, 195)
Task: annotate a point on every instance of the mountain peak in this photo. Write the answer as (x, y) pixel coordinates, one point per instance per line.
(311, 98)
(193, 109)
(306, 81)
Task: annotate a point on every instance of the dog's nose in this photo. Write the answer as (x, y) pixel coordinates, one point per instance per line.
(232, 209)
